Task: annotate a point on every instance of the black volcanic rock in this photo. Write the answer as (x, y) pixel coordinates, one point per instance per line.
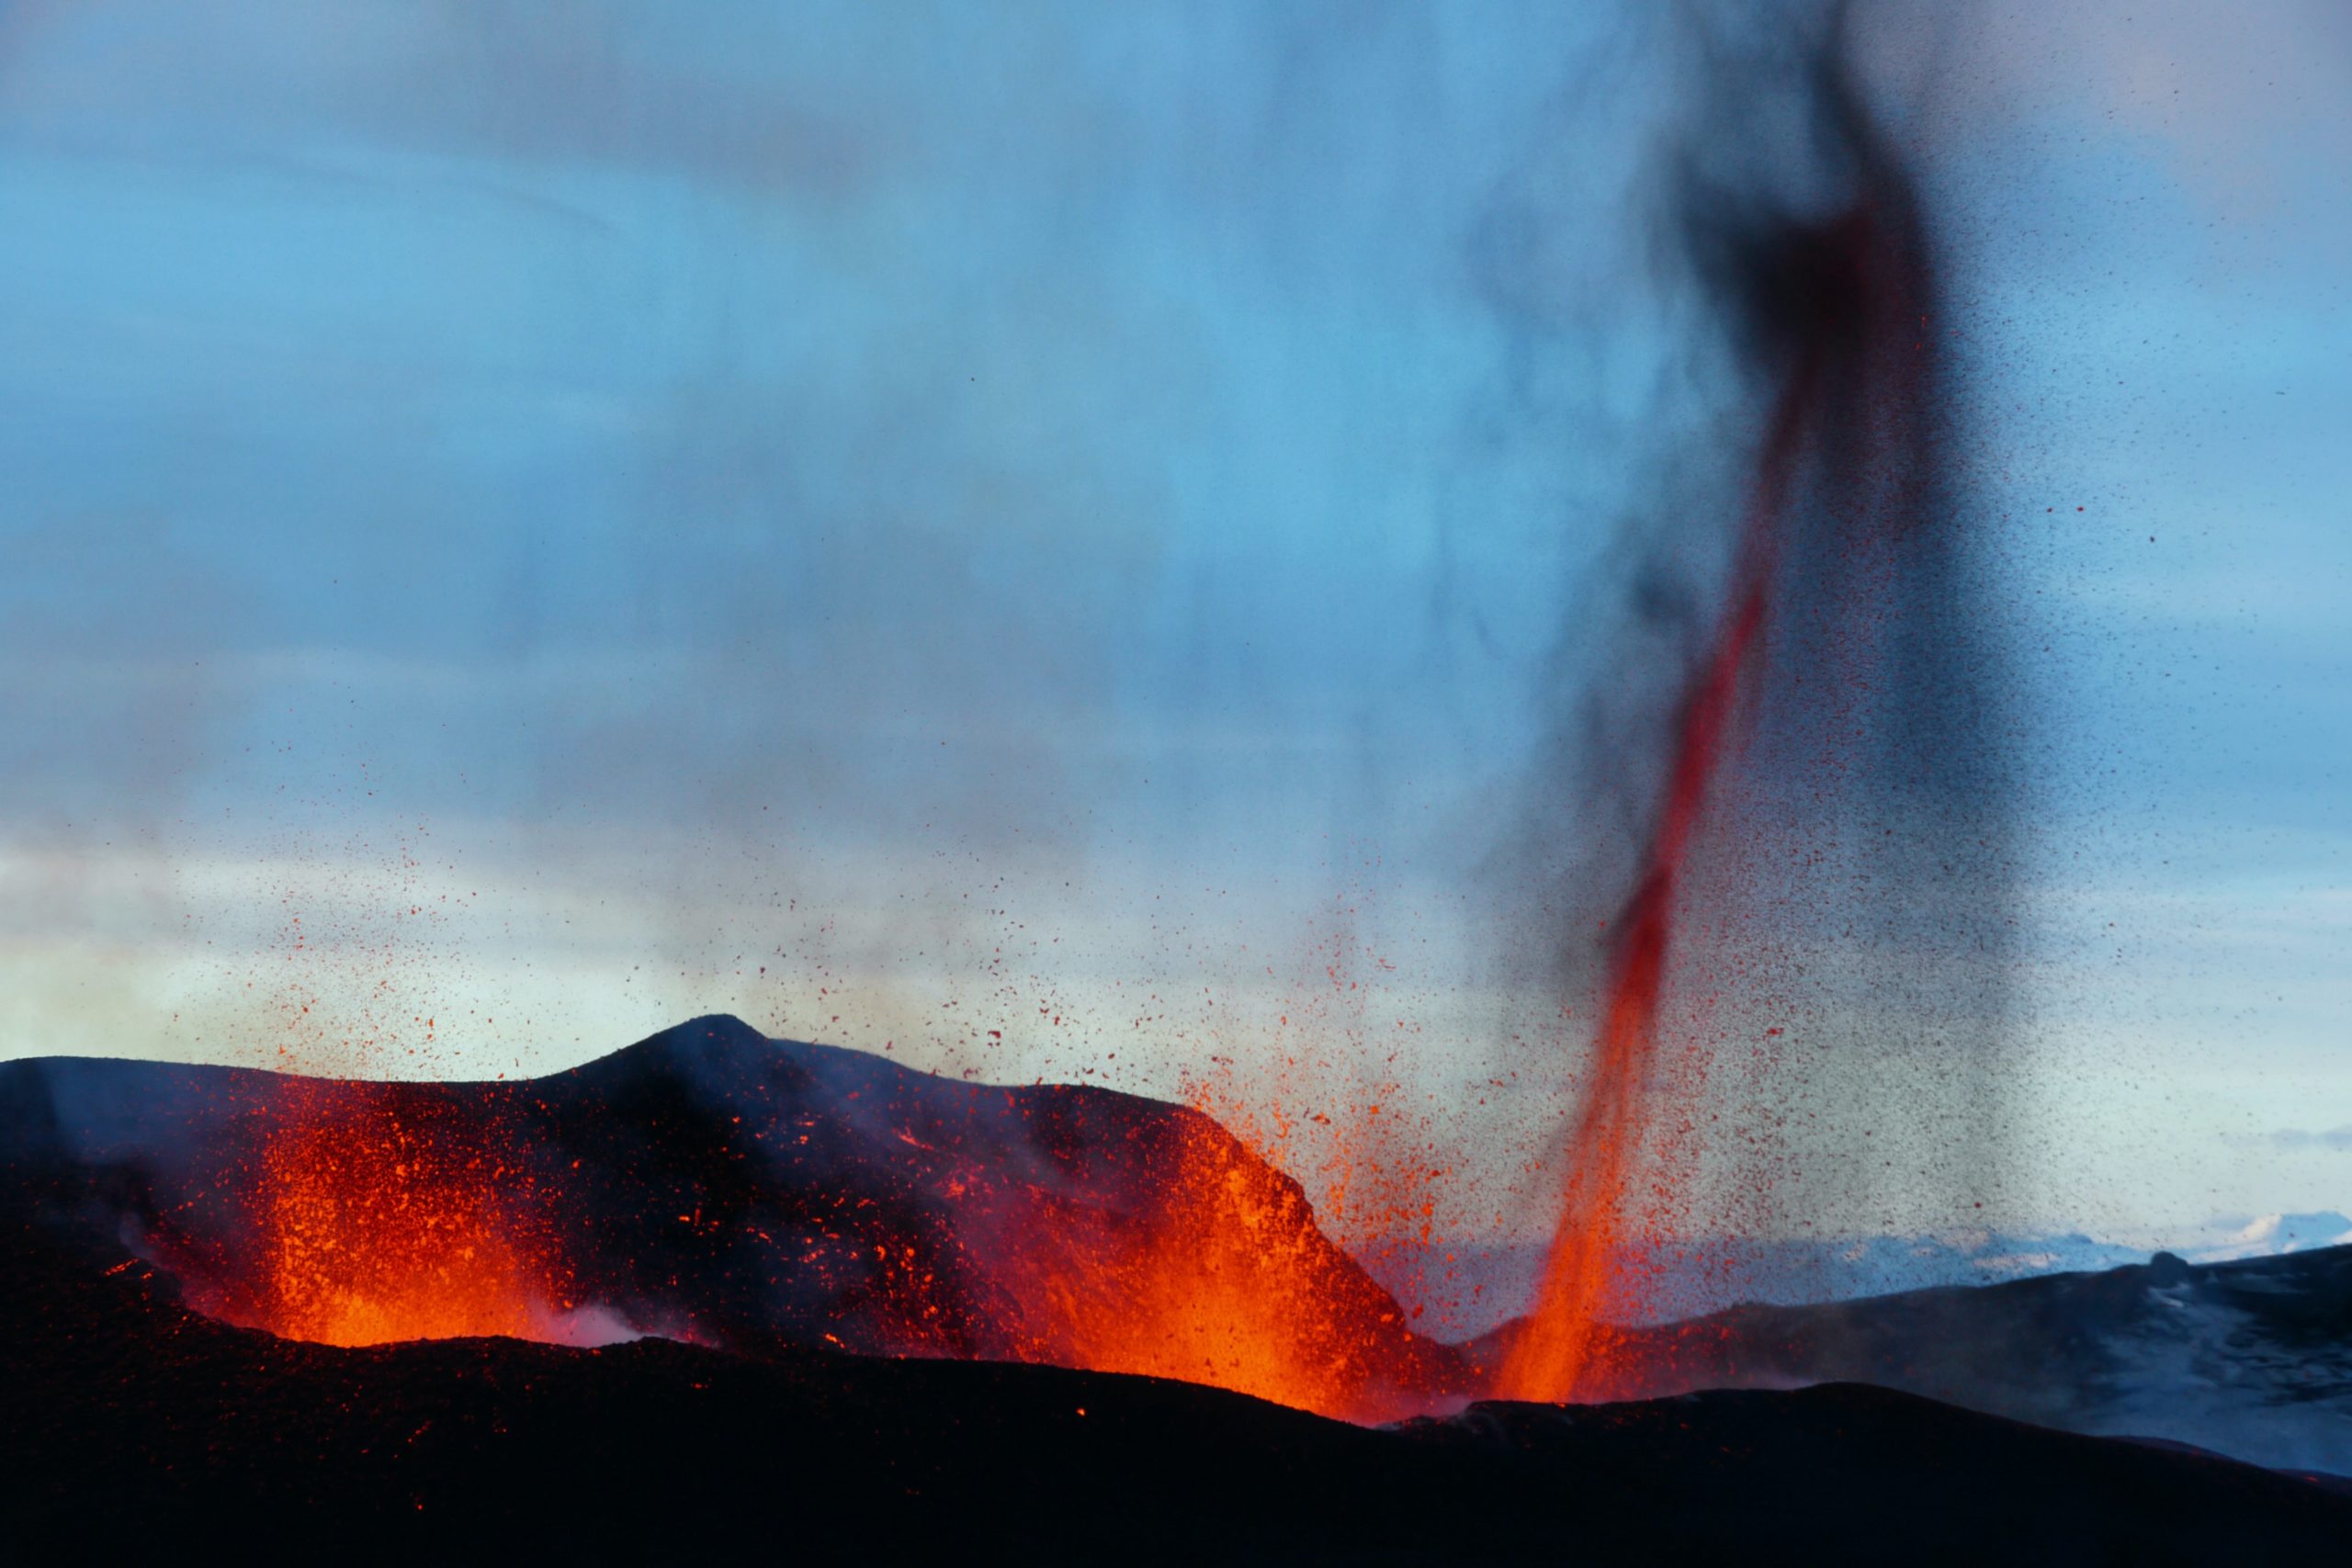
(714, 1185)
(133, 1425)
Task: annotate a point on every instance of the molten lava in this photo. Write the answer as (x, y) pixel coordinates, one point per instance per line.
(1839, 309)
(374, 1220)
(1225, 1278)
(750, 1192)
(1549, 1356)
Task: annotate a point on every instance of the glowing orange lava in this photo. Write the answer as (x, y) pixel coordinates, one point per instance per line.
(1550, 1357)
(1224, 1279)
(376, 1221)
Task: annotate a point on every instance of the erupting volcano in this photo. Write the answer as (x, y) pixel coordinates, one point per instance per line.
(704, 1187)
(715, 1186)
(849, 1264)
(1437, 593)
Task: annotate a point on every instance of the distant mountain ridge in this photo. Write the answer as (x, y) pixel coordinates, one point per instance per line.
(2271, 1235)
(2249, 1357)
(1690, 1279)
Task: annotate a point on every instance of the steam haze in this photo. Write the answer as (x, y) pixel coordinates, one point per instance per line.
(1062, 543)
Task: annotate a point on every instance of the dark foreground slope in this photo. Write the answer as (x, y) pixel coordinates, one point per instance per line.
(2251, 1358)
(134, 1423)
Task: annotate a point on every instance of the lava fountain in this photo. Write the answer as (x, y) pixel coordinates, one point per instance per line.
(1842, 532)
(372, 1213)
(372, 1231)
(1549, 1355)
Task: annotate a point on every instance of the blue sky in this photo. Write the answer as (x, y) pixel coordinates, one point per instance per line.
(903, 523)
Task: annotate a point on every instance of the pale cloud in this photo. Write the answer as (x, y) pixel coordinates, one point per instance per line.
(2335, 1138)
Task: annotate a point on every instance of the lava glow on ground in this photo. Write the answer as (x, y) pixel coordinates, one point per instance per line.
(368, 1225)
(892, 1213)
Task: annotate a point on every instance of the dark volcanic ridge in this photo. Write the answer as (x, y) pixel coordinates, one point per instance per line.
(134, 1421)
(2251, 1358)
(712, 1185)
(765, 1202)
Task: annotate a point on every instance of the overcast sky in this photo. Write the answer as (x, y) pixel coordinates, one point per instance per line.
(1028, 535)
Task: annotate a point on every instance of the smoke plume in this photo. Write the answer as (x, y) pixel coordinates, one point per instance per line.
(1797, 987)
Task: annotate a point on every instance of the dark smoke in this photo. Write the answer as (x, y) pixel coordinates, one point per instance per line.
(1838, 926)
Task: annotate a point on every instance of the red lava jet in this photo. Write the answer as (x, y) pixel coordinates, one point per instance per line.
(1839, 525)
(1548, 1358)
